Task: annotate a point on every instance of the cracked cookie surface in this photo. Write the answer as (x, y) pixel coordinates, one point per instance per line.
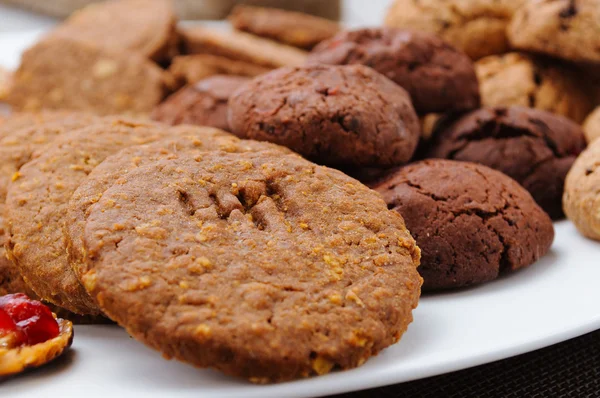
(477, 27)
(334, 115)
(534, 147)
(582, 192)
(534, 82)
(568, 29)
(437, 76)
(264, 266)
(472, 223)
(37, 201)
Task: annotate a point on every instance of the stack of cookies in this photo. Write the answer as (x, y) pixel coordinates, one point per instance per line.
(232, 231)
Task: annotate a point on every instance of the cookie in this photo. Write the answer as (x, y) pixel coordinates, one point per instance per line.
(16, 149)
(199, 141)
(335, 115)
(61, 73)
(240, 46)
(263, 266)
(591, 125)
(5, 83)
(535, 82)
(477, 27)
(294, 28)
(438, 77)
(19, 120)
(534, 147)
(37, 201)
(188, 69)
(581, 200)
(204, 103)
(567, 29)
(472, 223)
(146, 27)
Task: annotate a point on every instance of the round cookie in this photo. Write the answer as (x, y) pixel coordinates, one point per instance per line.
(568, 29)
(534, 147)
(37, 201)
(535, 82)
(204, 103)
(335, 115)
(581, 200)
(438, 77)
(477, 27)
(263, 266)
(198, 141)
(591, 125)
(472, 223)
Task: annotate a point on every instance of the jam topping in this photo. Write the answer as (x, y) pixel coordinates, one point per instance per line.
(25, 322)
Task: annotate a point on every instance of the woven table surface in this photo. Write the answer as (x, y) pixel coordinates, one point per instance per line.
(568, 369)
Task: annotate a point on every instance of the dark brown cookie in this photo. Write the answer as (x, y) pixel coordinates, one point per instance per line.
(263, 266)
(203, 103)
(336, 115)
(437, 76)
(472, 223)
(37, 201)
(289, 27)
(535, 147)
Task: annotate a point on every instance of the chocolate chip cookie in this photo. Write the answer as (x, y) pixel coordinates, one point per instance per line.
(535, 82)
(203, 103)
(63, 73)
(265, 267)
(472, 223)
(146, 27)
(534, 147)
(294, 28)
(37, 201)
(477, 27)
(567, 29)
(591, 126)
(335, 115)
(438, 77)
(581, 200)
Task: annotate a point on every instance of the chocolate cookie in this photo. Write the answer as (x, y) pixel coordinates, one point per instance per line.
(146, 27)
(336, 115)
(266, 267)
(293, 28)
(581, 200)
(568, 29)
(204, 103)
(535, 82)
(472, 223)
(188, 69)
(438, 77)
(199, 140)
(477, 27)
(62, 73)
(241, 46)
(37, 201)
(591, 125)
(534, 147)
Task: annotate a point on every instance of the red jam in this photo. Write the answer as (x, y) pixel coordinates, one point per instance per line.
(28, 321)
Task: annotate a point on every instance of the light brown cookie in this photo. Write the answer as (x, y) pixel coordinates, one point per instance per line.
(19, 120)
(581, 200)
(188, 69)
(60, 73)
(294, 28)
(568, 29)
(146, 27)
(241, 46)
(534, 82)
(478, 27)
(37, 201)
(591, 125)
(5, 83)
(263, 266)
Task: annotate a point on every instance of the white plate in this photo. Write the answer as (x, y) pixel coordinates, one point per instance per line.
(551, 301)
